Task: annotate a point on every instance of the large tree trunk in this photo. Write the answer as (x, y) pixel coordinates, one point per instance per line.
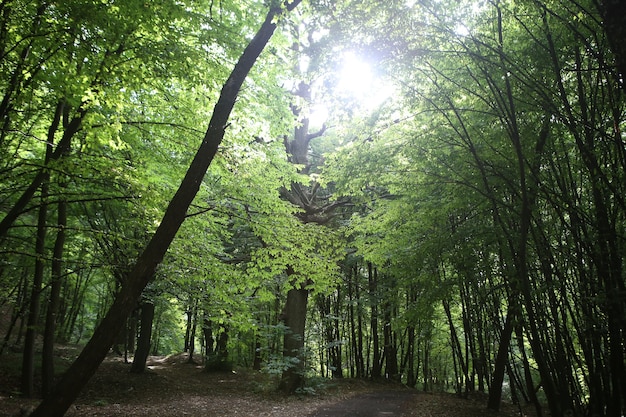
(96, 349)
(294, 318)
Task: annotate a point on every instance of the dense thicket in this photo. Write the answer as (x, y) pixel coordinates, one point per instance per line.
(466, 234)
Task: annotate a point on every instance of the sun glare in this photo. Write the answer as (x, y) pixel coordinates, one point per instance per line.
(358, 80)
(318, 116)
(355, 75)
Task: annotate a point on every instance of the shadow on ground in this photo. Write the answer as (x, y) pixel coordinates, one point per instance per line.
(373, 404)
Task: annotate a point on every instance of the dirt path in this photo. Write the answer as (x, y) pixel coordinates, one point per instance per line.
(373, 404)
(172, 387)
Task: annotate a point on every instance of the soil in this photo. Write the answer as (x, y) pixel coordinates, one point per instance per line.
(172, 387)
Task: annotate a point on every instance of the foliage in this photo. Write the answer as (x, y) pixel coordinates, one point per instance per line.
(478, 209)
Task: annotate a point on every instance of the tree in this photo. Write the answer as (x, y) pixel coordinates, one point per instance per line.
(94, 352)
(145, 337)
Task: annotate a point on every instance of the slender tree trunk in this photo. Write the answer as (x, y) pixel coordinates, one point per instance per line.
(390, 349)
(256, 364)
(359, 352)
(28, 363)
(130, 333)
(411, 379)
(28, 358)
(336, 356)
(457, 350)
(189, 314)
(354, 363)
(376, 359)
(502, 358)
(614, 21)
(192, 334)
(528, 377)
(426, 367)
(96, 349)
(47, 372)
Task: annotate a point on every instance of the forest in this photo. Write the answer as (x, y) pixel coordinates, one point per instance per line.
(431, 192)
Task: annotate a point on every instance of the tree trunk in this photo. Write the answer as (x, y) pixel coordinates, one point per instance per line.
(376, 360)
(191, 331)
(28, 358)
(335, 351)
(130, 333)
(502, 358)
(457, 351)
(96, 349)
(218, 360)
(189, 313)
(354, 364)
(256, 365)
(47, 359)
(360, 362)
(528, 377)
(614, 21)
(294, 318)
(145, 333)
(207, 330)
(426, 367)
(390, 352)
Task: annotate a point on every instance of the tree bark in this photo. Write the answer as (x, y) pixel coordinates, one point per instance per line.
(501, 360)
(96, 349)
(256, 365)
(390, 350)
(218, 361)
(614, 21)
(190, 340)
(47, 356)
(28, 358)
(294, 318)
(336, 351)
(373, 289)
(360, 363)
(207, 332)
(145, 333)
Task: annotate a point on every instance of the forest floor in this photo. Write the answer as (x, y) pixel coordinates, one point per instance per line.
(173, 387)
